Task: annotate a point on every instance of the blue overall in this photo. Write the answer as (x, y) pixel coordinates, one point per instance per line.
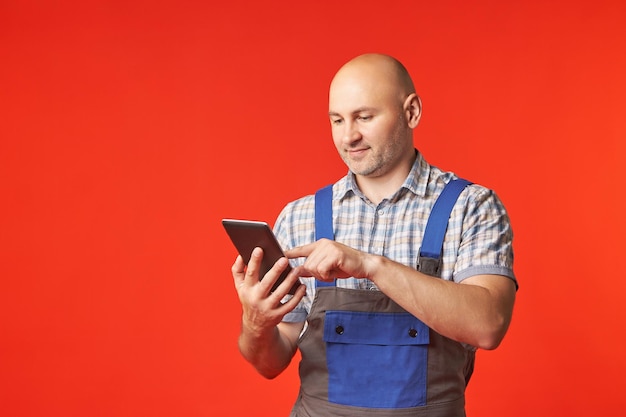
(364, 355)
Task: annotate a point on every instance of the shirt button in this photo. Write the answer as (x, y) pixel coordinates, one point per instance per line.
(413, 333)
(339, 329)
(381, 212)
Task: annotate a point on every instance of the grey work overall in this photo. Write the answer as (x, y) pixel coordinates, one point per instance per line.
(364, 355)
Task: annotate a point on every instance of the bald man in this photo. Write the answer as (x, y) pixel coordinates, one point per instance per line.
(380, 334)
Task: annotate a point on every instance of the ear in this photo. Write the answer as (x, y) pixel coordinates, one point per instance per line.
(413, 110)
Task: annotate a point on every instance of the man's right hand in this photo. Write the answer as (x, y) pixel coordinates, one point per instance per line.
(263, 309)
(267, 346)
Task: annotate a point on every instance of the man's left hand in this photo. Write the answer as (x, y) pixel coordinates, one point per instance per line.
(327, 260)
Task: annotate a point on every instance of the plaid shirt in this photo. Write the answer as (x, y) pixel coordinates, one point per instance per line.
(478, 239)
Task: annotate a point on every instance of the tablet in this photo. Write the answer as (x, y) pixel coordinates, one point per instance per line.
(247, 235)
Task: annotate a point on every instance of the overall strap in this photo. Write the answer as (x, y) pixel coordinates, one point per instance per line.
(324, 221)
(430, 256)
(324, 213)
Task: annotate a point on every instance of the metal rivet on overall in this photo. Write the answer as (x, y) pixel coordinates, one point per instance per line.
(339, 329)
(413, 333)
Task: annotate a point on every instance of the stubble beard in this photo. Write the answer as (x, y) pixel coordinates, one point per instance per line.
(370, 166)
(379, 161)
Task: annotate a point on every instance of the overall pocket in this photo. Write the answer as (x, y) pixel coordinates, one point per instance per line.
(376, 360)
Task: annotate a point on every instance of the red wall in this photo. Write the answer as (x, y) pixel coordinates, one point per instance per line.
(129, 129)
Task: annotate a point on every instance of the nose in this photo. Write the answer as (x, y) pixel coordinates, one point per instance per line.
(351, 133)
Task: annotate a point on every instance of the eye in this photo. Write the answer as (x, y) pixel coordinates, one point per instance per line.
(336, 122)
(365, 118)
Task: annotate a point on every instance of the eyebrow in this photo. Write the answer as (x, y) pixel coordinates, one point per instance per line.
(356, 111)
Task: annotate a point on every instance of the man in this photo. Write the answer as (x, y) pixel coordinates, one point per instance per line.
(357, 359)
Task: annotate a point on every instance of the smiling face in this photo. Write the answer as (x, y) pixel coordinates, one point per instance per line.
(373, 111)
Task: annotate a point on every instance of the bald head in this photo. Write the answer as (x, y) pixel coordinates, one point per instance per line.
(376, 71)
(374, 81)
(373, 110)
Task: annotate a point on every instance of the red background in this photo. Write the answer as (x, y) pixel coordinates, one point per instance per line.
(129, 129)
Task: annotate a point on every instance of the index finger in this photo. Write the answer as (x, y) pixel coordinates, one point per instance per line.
(300, 251)
(253, 267)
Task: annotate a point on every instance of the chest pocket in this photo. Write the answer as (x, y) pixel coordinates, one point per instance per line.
(376, 360)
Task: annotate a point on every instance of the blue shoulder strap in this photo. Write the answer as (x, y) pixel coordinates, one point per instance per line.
(324, 213)
(429, 261)
(324, 221)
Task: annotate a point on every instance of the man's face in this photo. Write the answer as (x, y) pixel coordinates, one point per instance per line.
(369, 126)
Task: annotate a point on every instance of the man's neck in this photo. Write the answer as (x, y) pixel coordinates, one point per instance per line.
(376, 189)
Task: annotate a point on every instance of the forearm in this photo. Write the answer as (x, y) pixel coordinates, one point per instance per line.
(478, 313)
(269, 351)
